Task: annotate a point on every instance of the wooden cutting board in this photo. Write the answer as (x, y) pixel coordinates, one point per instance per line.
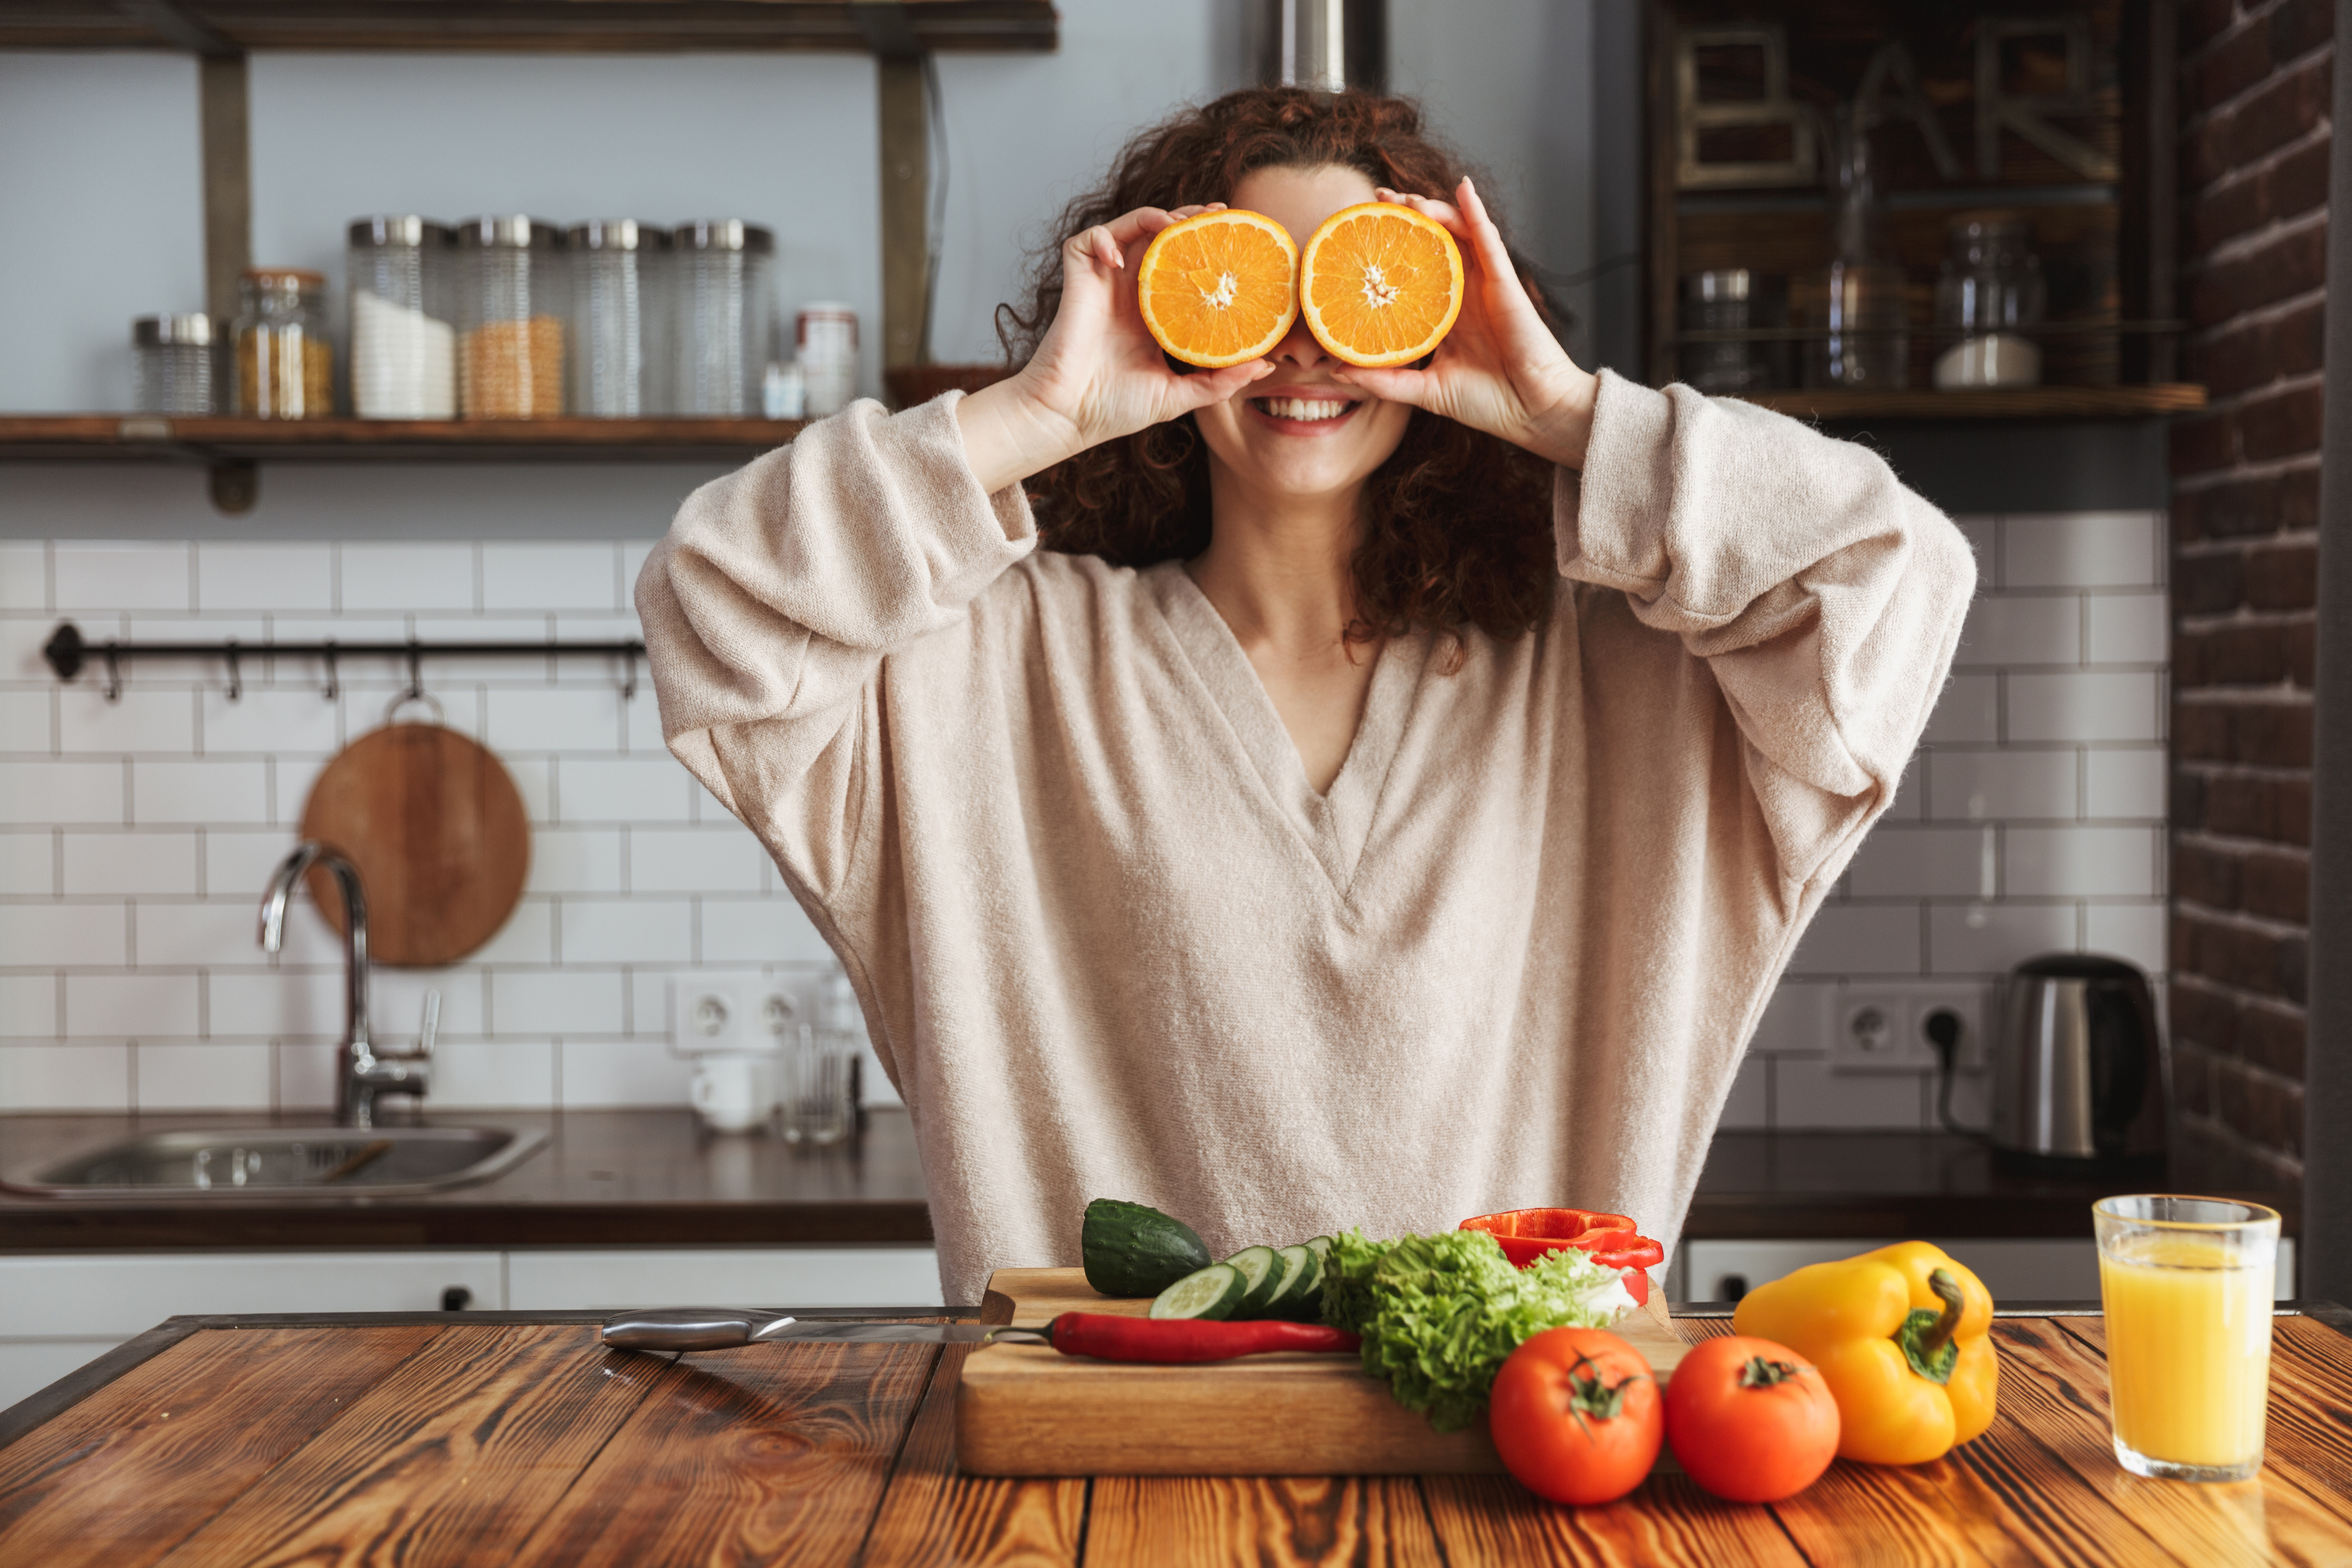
(438, 833)
(1028, 1410)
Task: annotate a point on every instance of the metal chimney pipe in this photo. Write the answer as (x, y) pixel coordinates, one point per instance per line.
(1315, 44)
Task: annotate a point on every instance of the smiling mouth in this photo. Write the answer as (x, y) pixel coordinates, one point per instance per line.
(1305, 410)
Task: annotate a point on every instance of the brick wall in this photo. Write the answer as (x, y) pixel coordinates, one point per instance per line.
(2255, 90)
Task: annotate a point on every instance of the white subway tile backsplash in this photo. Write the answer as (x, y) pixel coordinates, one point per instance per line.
(305, 1075)
(291, 780)
(528, 937)
(24, 576)
(534, 780)
(2081, 549)
(85, 1075)
(1986, 785)
(408, 577)
(624, 789)
(270, 720)
(645, 722)
(2036, 629)
(396, 1004)
(770, 930)
(121, 577)
(29, 1007)
(276, 1003)
(1807, 1095)
(202, 1076)
(1983, 534)
(2137, 932)
(2089, 705)
(1798, 1019)
(551, 577)
(494, 1075)
(2123, 782)
(221, 932)
(25, 722)
(239, 864)
(28, 862)
(1989, 939)
(150, 722)
(130, 863)
(623, 1073)
(575, 860)
(2129, 628)
(554, 719)
(146, 1006)
(265, 577)
(1749, 1106)
(1860, 939)
(45, 933)
(556, 1002)
(191, 792)
(628, 931)
(1895, 861)
(1969, 709)
(2059, 862)
(683, 861)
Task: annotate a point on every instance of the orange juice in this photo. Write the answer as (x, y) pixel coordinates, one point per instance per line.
(2188, 1348)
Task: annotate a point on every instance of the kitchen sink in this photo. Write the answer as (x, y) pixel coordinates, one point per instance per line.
(284, 1162)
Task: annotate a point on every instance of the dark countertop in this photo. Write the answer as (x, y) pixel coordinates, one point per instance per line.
(1899, 1184)
(607, 1178)
(639, 1178)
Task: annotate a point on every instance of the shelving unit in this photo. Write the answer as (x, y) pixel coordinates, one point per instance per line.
(146, 436)
(2006, 403)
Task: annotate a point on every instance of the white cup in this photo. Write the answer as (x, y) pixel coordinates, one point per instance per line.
(733, 1093)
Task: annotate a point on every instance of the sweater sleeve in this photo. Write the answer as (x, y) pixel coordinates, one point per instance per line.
(769, 609)
(1825, 597)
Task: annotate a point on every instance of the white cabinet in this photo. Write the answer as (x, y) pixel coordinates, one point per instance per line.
(58, 1310)
(2020, 1269)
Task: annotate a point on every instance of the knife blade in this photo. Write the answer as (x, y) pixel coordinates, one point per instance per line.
(726, 1328)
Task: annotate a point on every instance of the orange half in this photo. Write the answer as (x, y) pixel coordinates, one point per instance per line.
(1379, 284)
(1220, 288)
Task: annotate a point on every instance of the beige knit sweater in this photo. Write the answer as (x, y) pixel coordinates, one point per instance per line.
(1111, 945)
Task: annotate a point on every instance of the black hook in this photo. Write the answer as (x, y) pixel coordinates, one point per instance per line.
(415, 672)
(236, 676)
(629, 676)
(113, 675)
(333, 690)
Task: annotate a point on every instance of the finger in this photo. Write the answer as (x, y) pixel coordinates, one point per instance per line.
(1204, 387)
(1195, 210)
(1417, 388)
(1443, 212)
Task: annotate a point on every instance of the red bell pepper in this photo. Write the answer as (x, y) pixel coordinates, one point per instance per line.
(1613, 1240)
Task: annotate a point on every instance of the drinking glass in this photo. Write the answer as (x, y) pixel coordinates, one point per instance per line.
(817, 1077)
(2186, 1287)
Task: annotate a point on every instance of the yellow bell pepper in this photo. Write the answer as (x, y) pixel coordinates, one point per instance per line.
(1902, 1336)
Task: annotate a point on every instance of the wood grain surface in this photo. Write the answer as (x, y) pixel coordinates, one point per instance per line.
(439, 832)
(527, 1443)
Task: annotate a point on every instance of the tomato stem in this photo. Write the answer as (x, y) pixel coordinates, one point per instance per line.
(1761, 1373)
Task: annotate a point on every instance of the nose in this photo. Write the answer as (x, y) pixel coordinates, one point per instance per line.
(1298, 347)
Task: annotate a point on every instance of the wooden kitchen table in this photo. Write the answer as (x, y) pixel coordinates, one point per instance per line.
(499, 1438)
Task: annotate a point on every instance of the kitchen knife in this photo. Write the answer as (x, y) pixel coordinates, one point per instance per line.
(723, 1328)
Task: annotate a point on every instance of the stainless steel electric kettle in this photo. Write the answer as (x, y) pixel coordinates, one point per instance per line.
(2078, 1071)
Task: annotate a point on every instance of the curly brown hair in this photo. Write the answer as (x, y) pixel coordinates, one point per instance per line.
(1458, 522)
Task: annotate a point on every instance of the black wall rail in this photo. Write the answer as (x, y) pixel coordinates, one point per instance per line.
(67, 652)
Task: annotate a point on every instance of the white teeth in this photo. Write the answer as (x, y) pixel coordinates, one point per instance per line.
(1303, 408)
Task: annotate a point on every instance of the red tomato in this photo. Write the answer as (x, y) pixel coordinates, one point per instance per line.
(1575, 1415)
(1750, 1420)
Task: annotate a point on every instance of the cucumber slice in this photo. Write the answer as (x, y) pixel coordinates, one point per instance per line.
(1213, 1293)
(1262, 1267)
(1307, 1304)
(1290, 1281)
(1320, 1246)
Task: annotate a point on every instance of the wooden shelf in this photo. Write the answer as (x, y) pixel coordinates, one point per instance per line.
(2012, 402)
(116, 438)
(561, 27)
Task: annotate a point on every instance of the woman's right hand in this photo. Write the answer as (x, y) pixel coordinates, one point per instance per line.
(1098, 373)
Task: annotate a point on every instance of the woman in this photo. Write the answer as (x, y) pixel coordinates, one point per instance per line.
(1339, 797)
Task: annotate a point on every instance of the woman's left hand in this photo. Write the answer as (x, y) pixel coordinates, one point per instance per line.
(1499, 370)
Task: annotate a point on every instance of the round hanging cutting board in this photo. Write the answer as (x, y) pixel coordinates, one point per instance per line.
(438, 833)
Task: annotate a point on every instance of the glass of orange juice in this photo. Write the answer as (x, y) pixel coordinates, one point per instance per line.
(2187, 1286)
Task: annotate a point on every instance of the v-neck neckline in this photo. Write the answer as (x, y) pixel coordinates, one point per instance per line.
(1336, 824)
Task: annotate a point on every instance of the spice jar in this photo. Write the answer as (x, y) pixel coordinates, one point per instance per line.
(824, 340)
(510, 319)
(284, 362)
(619, 305)
(1724, 301)
(173, 366)
(404, 348)
(1991, 288)
(725, 315)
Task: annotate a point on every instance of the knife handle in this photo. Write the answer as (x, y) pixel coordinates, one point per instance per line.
(689, 1328)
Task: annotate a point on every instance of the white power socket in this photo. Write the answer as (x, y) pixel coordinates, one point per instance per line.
(719, 1011)
(1884, 1027)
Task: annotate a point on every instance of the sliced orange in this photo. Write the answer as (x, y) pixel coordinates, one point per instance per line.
(1219, 287)
(1379, 284)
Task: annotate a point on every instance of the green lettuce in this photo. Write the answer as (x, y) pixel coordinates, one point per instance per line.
(1439, 1314)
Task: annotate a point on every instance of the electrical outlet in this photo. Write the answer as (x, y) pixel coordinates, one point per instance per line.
(1883, 1028)
(720, 1011)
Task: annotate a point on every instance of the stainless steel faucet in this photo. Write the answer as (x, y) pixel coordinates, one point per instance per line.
(360, 1072)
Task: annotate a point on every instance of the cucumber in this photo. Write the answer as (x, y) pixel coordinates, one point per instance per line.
(1131, 1250)
(1297, 1275)
(1261, 1267)
(1320, 1246)
(1213, 1293)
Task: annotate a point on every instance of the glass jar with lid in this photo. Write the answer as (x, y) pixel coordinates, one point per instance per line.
(725, 316)
(510, 304)
(174, 365)
(285, 358)
(403, 342)
(620, 299)
(1989, 295)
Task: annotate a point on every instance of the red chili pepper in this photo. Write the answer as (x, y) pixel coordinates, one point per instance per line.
(1107, 1336)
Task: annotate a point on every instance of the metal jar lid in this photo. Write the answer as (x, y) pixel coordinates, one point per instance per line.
(1726, 283)
(160, 332)
(616, 234)
(507, 232)
(725, 233)
(286, 279)
(388, 231)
